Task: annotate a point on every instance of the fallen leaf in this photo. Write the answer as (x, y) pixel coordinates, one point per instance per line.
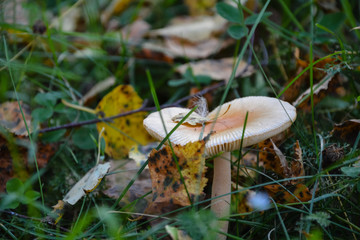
(169, 191)
(12, 120)
(87, 183)
(292, 193)
(178, 47)
(124, 132)
(14, 160)
(123, 173)
(219, 69)
(297, 165)
(321, 90)
(192, 29)
(347, 131)
(154, 53)
(134, 32)
(273, 159)
(303, 82)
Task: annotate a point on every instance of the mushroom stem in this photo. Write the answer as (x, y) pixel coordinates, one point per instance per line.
(222, 185)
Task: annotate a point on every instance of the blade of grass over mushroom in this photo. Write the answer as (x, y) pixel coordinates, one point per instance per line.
(27, 127)
(156, 100)
(240, 153)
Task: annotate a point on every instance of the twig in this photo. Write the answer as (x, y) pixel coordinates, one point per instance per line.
(143, 108)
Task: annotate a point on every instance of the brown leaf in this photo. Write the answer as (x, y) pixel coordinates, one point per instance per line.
(273, 159)
(168, 188)
(192, 29)
(183, 48)
(11, 117)
(297, 165)
(14, 159)
(219, 69)
(292, 193)
(320, 91)
(347, 131)
(303, 82)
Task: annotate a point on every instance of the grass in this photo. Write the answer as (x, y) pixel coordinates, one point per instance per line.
(33, 64)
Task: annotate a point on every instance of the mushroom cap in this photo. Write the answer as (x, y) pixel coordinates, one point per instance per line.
(266, 117)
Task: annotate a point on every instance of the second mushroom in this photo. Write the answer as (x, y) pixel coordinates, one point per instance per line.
(266, 118)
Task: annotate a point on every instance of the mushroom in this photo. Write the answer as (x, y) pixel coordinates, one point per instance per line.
(266, 118)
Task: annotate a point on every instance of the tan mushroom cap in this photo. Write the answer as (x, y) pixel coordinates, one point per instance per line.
(266, 118)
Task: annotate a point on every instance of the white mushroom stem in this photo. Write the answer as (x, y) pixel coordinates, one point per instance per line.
(222, 185)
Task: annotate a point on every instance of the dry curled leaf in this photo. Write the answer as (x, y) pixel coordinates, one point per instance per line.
(347, 131)
(12, 119)
(87, 183)
(273, 159)
(321, 90)
(124, 132)
(168, 188)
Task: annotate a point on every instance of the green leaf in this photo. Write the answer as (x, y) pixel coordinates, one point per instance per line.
(42, 114)
(321, 217)
(14, 185)
(203, 79)
(358, 99)
(177, 82)
(81, 138)
(230, 13)
(31, 196)
(351, 171)
(53, 136)
(47, 99)
(251, 19)
(332, 21)
(237, 31)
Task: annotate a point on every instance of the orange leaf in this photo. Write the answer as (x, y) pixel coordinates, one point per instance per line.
(292, 194)
(168, 188)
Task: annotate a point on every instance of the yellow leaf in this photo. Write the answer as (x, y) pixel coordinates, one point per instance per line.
(168, 189)
(124, 132)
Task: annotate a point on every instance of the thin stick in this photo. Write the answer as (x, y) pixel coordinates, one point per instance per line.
(143, 108)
